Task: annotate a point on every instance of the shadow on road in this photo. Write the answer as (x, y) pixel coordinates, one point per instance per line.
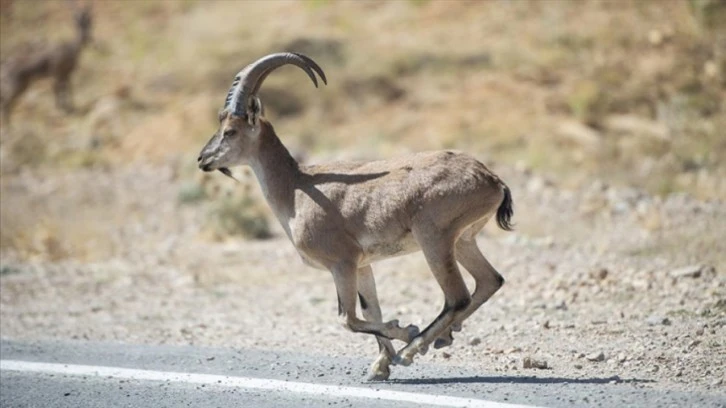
(516, 380)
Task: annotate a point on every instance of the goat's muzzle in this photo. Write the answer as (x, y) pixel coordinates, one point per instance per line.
(204, 163)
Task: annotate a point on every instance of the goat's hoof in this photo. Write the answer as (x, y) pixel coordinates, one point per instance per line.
(404, 357)
(402, 361)
(423, 350)
(413, 331)
(444, 341)
(379, 375)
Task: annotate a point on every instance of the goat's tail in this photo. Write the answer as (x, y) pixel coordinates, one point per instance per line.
(505, 211)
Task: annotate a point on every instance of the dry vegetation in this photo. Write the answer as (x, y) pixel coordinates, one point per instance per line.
(563, 98)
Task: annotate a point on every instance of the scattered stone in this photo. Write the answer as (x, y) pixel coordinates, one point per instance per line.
(692, 271)
(693, 344)
(596, 357)
(622, 358)
(561, 306)
(717, 382)
(637, 126)
(210, 358)
(655, 37)
(578, 366)
(580, 134)
(699, 331)
(546, 324)
(475, 341)
(513, 350)
(679, 373)
(445, 355)
(655, 320)
(530, 362)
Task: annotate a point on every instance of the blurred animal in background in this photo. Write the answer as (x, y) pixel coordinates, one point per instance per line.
(344, 216)
(57, 61)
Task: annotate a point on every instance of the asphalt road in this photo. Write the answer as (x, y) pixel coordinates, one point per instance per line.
(83, 374)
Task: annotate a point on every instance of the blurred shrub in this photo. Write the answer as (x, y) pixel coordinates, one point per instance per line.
(238, 216)
(28, 149)
(709, 13)
(191, 193)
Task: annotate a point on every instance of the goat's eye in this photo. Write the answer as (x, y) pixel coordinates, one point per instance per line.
(229, 132)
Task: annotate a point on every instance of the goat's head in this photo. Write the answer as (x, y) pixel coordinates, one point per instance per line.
(84, 23)
(239, 130)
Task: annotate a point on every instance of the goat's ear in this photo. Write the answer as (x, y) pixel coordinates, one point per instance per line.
(254, 110)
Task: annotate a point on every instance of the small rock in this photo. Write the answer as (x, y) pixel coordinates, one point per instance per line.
(530, 362)
(710, 69)
(580, 134)
(513, 350)
(475, 341)
(655, 320)
(445, 355)
(637, 126)
(561, 306)
(692, 271)
(622, 358)
(596, 357)
(655, 37)
(546, 324)
(693, 344)
(699, 331)
(679, 373)
(716, 383)
(578, 366)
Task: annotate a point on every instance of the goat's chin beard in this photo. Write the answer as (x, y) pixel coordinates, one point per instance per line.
(227, 173)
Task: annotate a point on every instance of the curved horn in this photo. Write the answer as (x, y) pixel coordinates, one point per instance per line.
(248, 81)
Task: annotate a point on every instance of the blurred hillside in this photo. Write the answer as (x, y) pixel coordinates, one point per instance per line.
(628, 91)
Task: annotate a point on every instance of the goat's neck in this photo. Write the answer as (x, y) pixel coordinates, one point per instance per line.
(278, 173)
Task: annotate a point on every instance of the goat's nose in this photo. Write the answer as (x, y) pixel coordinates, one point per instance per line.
(199, 158)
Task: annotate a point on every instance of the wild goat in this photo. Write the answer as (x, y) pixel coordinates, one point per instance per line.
(344, 216)
(57, 62)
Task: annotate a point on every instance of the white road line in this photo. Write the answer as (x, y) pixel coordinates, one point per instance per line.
(251, 383)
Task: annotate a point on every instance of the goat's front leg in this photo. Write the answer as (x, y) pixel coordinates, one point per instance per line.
(438, 249)
(346, 284)
(372, 312)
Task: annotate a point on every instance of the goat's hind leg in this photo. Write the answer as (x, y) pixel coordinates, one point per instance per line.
(486, 278)
(372, 312)
(439, 252)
